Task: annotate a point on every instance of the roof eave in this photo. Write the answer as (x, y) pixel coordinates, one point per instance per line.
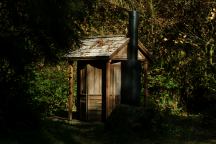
(88, 58)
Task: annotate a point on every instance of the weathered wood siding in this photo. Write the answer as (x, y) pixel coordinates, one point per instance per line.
(115, 86)
(90, 92)
(82, 91)
(94, 104)
(122, 54)
(94, 77)
(101, 74)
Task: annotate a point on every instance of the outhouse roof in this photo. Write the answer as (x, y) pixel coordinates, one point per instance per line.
(110, 47)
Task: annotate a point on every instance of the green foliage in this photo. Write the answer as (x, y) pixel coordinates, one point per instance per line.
(49, 90)
(106, 18)
(182, 43)
(32, 31)
(164, 92)
(180, 35)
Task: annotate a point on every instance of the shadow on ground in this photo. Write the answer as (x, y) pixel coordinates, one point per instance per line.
(124, 128)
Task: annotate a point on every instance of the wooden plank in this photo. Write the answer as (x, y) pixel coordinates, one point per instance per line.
(95, 107)
(83, 81)
(115, 85)
(82, 90)
(94, 115)
(95, 97)
(94, 80)
(117, 78)
(112, 88)
(98, 47)
(70, 98)
(123, 46)
(98, 81)
(144, 51)
(122, 54)
(90, 79)
(95, 104)
(107, 87)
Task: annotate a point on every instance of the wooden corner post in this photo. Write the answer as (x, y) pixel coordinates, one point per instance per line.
(71, 86)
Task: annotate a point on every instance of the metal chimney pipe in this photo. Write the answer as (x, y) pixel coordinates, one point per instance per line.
(133, 35)
(131, 68)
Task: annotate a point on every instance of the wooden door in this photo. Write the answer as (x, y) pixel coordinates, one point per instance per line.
(94, 92)
(82, 92)
(115, 86)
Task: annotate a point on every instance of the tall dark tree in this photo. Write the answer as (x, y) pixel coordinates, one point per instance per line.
(31, 32)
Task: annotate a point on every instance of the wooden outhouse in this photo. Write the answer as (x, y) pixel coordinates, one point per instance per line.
(100, 74)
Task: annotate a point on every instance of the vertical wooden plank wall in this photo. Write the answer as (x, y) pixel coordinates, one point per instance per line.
(115, 85)
(108, 64)
(70, 98)
(82, 90)
(94, 96)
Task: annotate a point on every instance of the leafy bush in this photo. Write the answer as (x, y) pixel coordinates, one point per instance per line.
(164, 92)
(50, 89)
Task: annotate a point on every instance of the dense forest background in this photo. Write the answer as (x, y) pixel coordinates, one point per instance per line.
(34, 35)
